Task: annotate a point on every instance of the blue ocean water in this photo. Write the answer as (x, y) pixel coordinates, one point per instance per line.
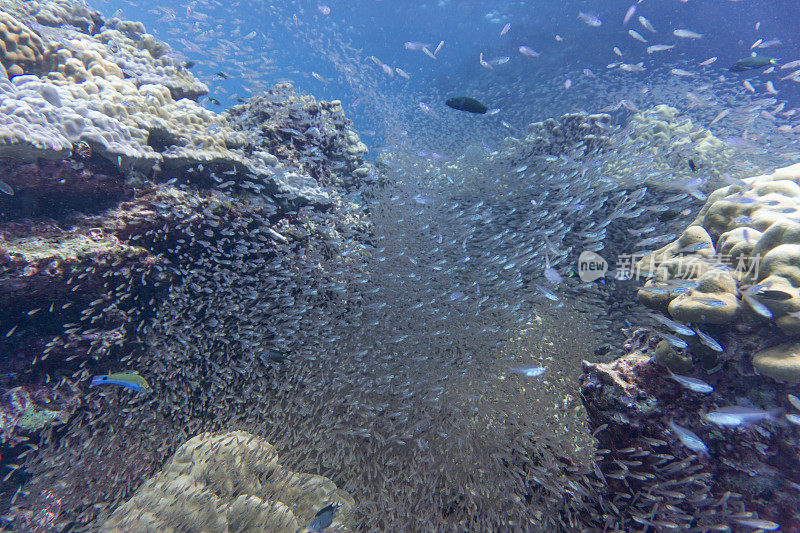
(296, 39)
(225, 313)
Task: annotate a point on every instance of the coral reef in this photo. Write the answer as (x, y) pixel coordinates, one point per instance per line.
(573, 131)
(27, 410)
(752, 269)
(120, 93)
(125, 190)
(229, 482)
(635, 406)
(21, 50)
(320, 136)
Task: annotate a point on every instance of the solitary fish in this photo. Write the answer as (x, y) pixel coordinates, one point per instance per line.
(528, 52)
(529, 371)
(129, 380)
(687, 34)
(275, 356)
(324, 518)
(466, 103)
(590, 19)
(6, 188)
(753, 62)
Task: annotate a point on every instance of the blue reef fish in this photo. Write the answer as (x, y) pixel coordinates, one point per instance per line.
(711, 302)
(324, 518)
(694, 247)
(128, 380)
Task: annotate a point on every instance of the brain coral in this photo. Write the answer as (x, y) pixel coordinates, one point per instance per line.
(229, 482)
(741, 252)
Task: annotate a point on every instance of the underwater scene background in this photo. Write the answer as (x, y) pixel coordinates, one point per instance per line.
(399, 266)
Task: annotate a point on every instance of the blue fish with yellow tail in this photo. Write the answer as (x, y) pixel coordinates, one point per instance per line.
(129, 380)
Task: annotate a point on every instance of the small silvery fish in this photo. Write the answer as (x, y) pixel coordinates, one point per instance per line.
(794, 400)
(737, 416)
(794, 419)
(674, 326)
(709, 301)
(529, 371)
(6, 188)
(693, 384)
(757, 523)
(551, 273)
(128, 380)
(672, 339)
(689, 438)
(659, 48)
(708, 340)
(590, 19)
(686, 34)
(757, 306)
(549, 295)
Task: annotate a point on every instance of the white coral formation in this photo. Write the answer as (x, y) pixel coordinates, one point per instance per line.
(663, 125)
(229, 482)
(751, 236)
(122, 93)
